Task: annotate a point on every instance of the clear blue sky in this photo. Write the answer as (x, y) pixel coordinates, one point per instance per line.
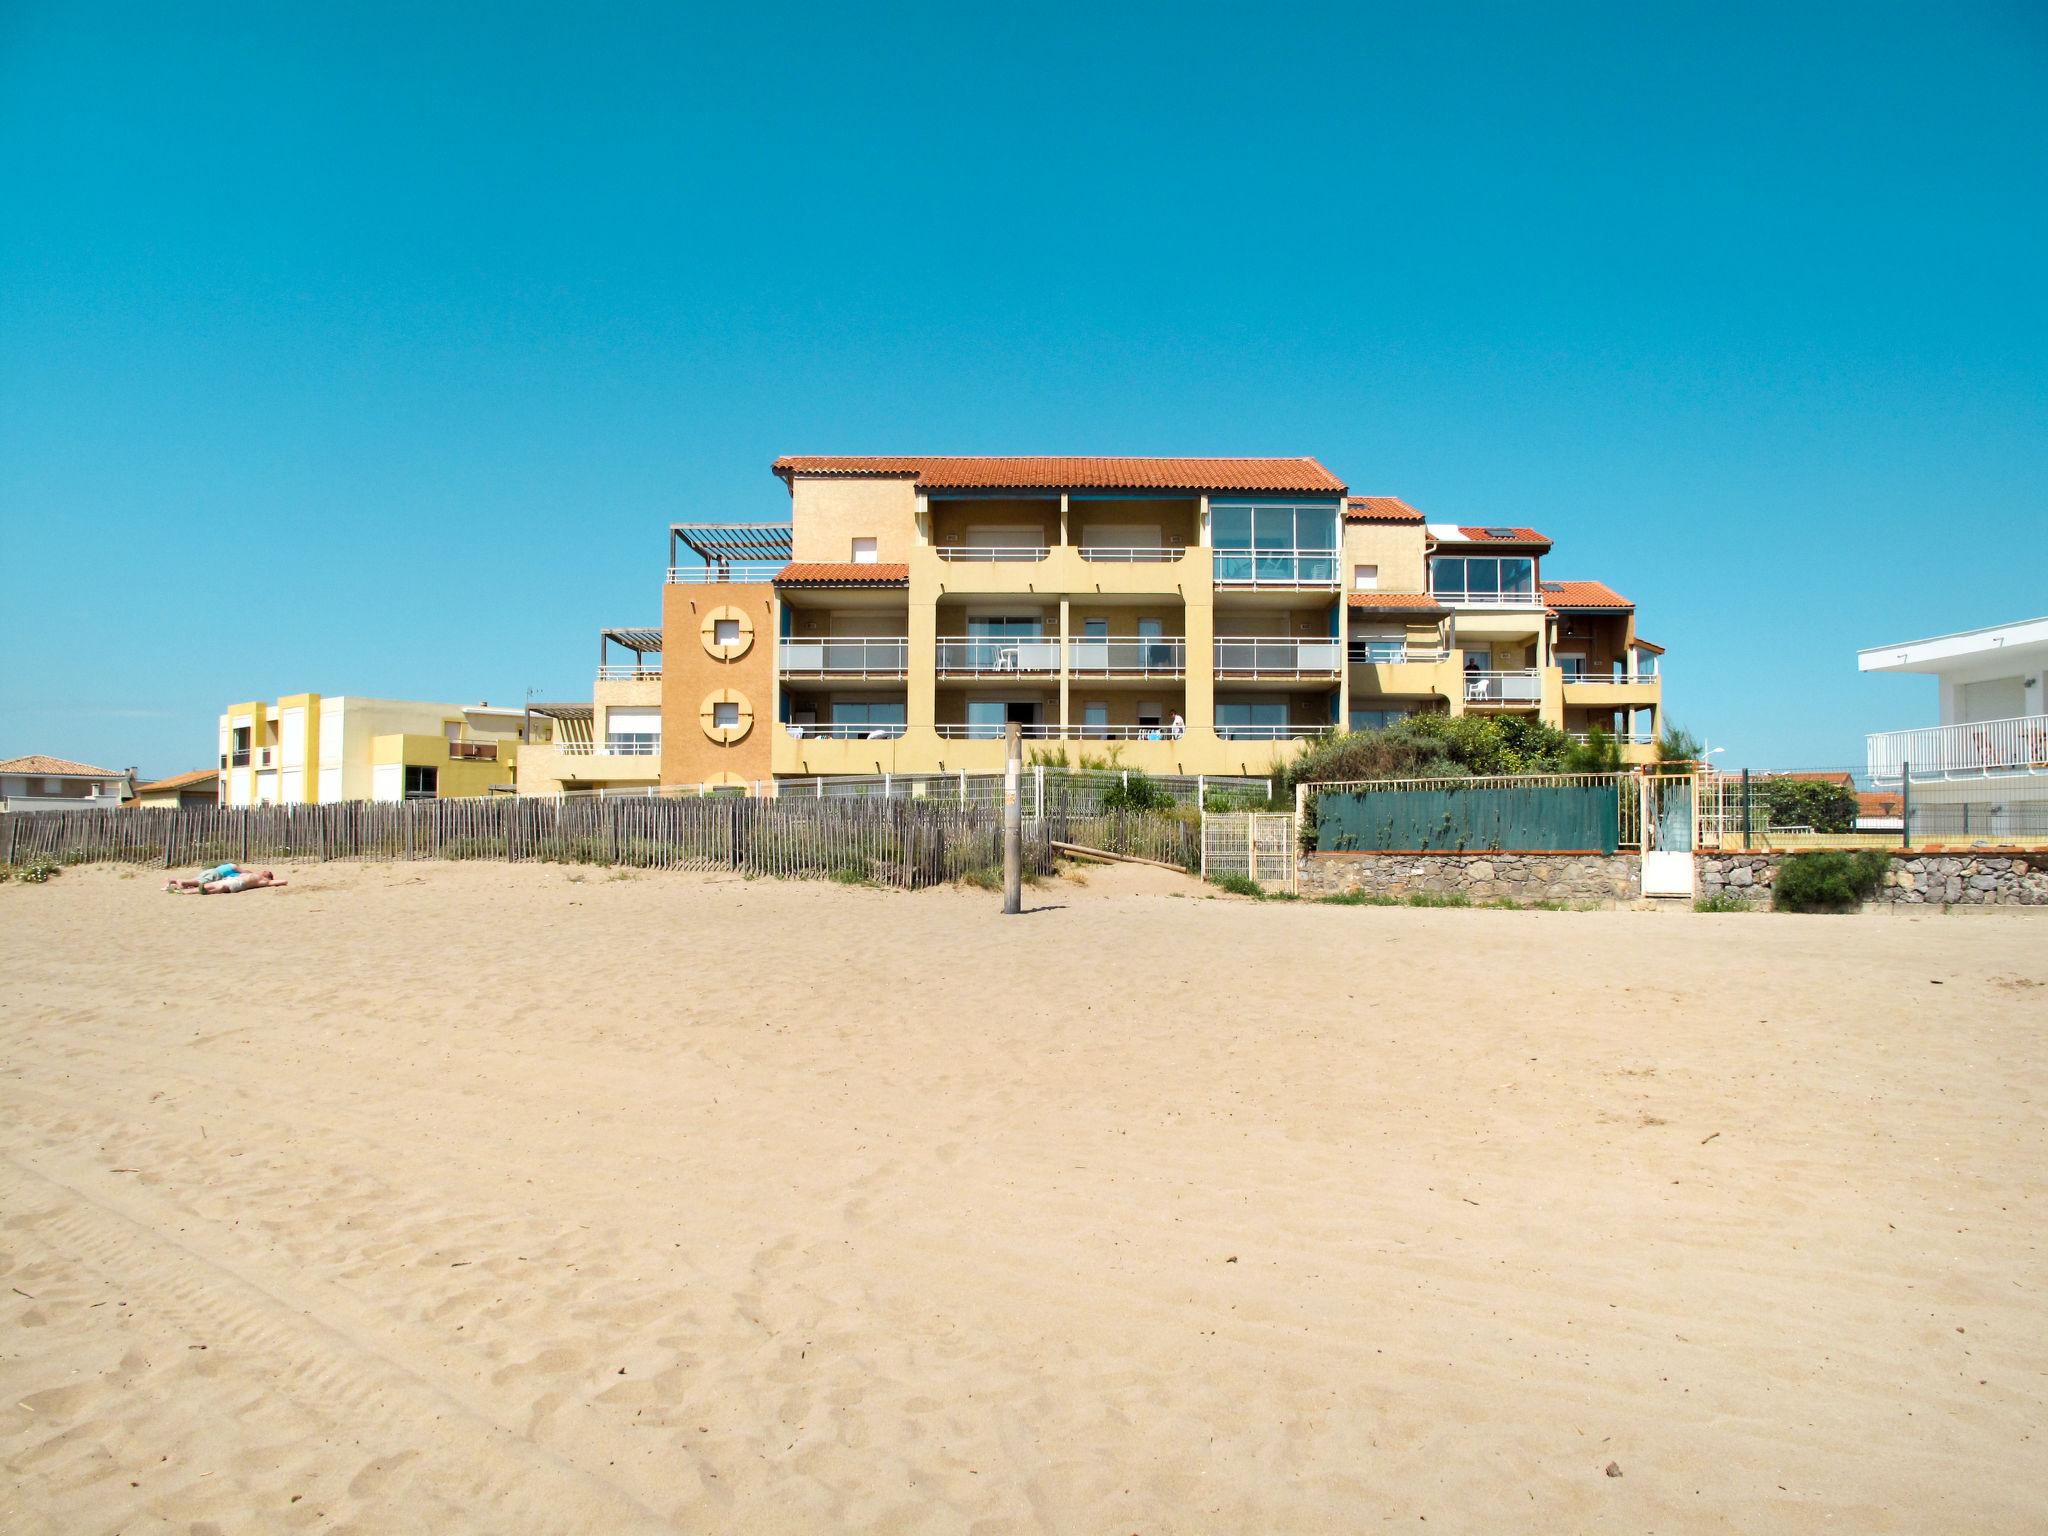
(372, 350)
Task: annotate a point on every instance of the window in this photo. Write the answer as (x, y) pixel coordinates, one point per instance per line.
(725, 716)
(1095, 719)
(863, 554)
(1095, 629)
(1151, 716)
(241, 752)
(634, 731)
(1247, 720)
(1573, 666)
(725, 631)
(1484, 578)
(1376, 719)
(1646, 663)
(1274, 541)
(878, 719)
(452, 729)
(421, 783)
(1365, 578)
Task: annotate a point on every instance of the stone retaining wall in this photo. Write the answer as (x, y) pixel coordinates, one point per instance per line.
(1914, 879)
(1573, 879)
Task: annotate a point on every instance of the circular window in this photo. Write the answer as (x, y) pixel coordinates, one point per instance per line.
(726, 715)
(727, 632)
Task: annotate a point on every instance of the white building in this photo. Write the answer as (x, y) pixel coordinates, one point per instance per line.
(39, 783)
(1982, 771)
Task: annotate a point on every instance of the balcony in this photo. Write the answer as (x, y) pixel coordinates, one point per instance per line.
(998, 655)
(628, 674)
(1134, 554)
(887, 657)
(472, 751)
(725, 571)
(1149, 656)
(992, 554)
(1979, 749)
(1271, 732)
(1521, 687)
(866, 730)
(1504, 599)
(1239, 657)
(1393, 653)
(1283, 570)
(615, 746)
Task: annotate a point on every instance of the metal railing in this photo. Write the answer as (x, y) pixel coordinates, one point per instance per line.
(1521, 685)
(1134, 554)
(614, 746)
(1251, 656)
(2016, 745)
(1530, 599)
(845, 730)
(1149, 656)
(1619, 738)
(1394, 653)
(730, 570)
(887, 656)
(628, 674)
(1285, 568)
(1162, 732)
(1000, 554)
(1271, 732)
(988, 654)
(1617, 678)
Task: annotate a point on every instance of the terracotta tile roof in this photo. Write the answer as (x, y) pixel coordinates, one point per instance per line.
(1396, 602)
(843, 574)
(1878, 804)
(1049, 472)
(1501, 536)
(190, 780)
(1649, 645)
(1583, 594)
(57, 768)
(1838, 776)
(1379, 509)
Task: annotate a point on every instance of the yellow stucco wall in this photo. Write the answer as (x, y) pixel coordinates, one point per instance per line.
(827, 515)
(690, 674)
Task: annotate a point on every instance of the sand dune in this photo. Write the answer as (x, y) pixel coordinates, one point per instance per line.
(526, 1199)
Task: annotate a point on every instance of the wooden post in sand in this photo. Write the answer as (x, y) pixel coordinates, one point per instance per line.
(1013, 821)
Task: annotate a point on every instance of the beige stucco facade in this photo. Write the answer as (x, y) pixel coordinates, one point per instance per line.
(309, 749)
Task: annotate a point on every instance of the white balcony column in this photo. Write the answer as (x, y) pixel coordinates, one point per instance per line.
(1066, 538)
(1066, 649)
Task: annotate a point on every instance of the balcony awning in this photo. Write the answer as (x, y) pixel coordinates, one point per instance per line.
(641, 642)
(719, 543)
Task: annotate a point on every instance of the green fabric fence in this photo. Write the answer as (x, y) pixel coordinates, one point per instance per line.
(1516, 819)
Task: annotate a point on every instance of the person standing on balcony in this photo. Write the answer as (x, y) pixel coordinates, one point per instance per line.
(1176, 727)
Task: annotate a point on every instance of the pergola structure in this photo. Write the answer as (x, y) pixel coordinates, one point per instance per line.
(729, 551)
(573, 722)
(641, 642)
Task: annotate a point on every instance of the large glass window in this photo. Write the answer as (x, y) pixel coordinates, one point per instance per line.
(1274, 541)
(1484, 578)
(1248, 719)
(1376, 719)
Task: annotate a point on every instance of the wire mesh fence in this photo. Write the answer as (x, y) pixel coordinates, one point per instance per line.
(1843, 807)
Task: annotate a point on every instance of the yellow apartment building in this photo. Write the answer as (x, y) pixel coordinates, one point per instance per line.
(613, 743)
(1168, 614)
(305, 749)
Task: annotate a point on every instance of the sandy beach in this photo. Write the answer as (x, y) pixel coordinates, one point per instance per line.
(489, 1199)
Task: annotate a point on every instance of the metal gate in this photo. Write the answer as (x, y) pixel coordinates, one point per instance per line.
(1256, 844)
(1670, 817)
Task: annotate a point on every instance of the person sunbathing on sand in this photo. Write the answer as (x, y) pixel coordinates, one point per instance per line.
(218, 872)
(245, 880)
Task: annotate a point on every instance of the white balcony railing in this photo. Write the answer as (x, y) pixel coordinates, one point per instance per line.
(730, 570)
(886, 656)
(1133, 554)
(1151, 656)
(1271, 732)
(998, 554)
(1619, 738)
(842, 730)
(1249, 656)
(1982, 748)
(1282, 568)
(1619, 679)
(615, 746)
(989, 731)
(979, 655)
(628, 674)
(1385, 653)
(1519, 686)
(1489, 599)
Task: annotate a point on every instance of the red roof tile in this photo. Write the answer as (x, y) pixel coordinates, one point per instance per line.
(1396, 602)
(1649, 645)
(1501, 536)
(1379, 509)
(843, 574)
(1583, 594)
(56, 768)
(190, 780)
(1048, 472)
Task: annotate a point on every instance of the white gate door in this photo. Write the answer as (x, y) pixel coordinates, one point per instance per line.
(1668, 821)
(1260, 845)
(1273, 844)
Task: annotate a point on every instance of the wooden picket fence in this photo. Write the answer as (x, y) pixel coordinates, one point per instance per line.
(903, 843)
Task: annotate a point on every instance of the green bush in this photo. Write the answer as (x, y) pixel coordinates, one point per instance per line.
(1136, 792)
(1821, 804)
(1833, 881)
(1721, 901)
(38, 869)
(1239, 885)
(1435, 747)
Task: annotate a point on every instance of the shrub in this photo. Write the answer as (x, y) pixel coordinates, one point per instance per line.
(1136, 792)
(1828, 882)
(1721, 901)
(1678, 745)
(1438, 899)
(38, 869)
(1598, 753)
(853, 874)
(1239, 885)
(1433, 746)
(1821, 804)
